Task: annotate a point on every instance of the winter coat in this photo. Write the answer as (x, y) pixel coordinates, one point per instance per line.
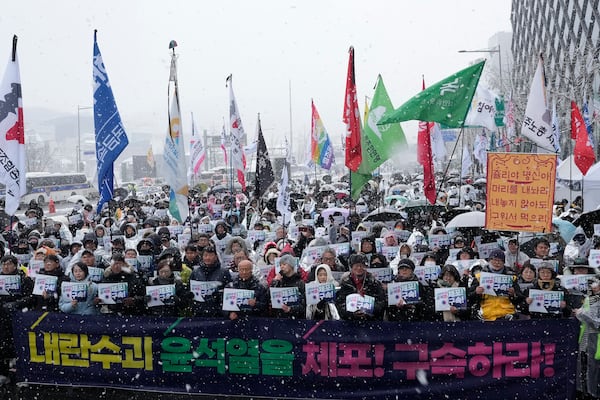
(371, 287)
(172, 306)
(298, 310)
(490, 308)
(552, 285)
(83, 308)
(134, 304)
(51, 302)
(261, 295)
(212, 305)
(323, 310)
(424, 310)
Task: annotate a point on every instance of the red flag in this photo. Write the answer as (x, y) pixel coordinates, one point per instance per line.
(352, 119)
(425, 158)
(584, 151)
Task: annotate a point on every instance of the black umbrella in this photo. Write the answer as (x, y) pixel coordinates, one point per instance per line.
(587, 221)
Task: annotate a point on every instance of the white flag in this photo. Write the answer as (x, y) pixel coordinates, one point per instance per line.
(466, 162)
(237, 135)
(480, 149)
(438, 147)
(175, 171)
(483, 109)
(537, 122)
(12, 134)
(197, 150)
(283, 199)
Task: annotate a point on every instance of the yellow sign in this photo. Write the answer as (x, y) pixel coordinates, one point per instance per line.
(520, 192)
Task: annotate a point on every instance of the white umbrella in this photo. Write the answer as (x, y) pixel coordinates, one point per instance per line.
(467, 220)
(78, 198)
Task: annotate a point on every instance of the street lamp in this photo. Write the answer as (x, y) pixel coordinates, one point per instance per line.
(79, 108)
(496, 50)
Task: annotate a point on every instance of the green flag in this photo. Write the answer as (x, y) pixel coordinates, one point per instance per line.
(446, 102)
(378, 142)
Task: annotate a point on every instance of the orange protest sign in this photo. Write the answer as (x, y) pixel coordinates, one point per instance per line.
(520, 191)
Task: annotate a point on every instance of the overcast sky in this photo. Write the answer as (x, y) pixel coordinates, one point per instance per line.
(264, 44)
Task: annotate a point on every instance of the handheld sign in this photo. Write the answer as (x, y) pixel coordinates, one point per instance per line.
(112, 293)
(449, 297)
(356, 302)
(407, 291)
(495, 284)
(286, 295)
(316, 292)
(202, 290)
(545, 301)
(158, 294)
(236, 299)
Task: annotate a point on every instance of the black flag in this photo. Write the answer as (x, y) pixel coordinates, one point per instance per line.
(264, 169)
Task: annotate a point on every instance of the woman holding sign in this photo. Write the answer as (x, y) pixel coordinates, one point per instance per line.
(291, 303)
(325, 308)
(80, 295)
(546, 298)
(47, 284)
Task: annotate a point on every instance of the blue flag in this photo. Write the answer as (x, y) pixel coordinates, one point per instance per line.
(111, 138)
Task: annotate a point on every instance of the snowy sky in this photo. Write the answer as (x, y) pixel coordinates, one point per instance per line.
(267, 45)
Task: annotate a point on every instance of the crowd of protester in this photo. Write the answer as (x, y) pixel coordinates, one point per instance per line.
(227, 245)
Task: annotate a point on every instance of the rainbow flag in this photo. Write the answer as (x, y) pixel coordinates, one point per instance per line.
(321, 150)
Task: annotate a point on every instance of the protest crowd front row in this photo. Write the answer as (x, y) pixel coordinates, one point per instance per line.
(251, 266)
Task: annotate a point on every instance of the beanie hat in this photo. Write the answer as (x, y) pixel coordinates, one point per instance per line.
(287, 249)
(289, 260)
(406, 263)
(497, 253)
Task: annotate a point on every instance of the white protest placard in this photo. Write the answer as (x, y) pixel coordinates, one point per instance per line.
(596, 229)
(45, 283)
(448, 297)
(204, 289)
(10, 284)
(226, 260)
(205, 228)
(485, 249)
(418, 256)
(23, 258)
(183, 239)
(112, 293)
(553, 248)
(390, 252)
(284, 295)
(34, 267)
(594, 258)
(236, 299)
(341, 248)
(378, 244)
(576, 282)
(312, 254)
(427, 273)
(254, 235)
(264, 270)
(316, 292)
(96, 274)
(146, 264)
(537, 261)
(133, 262)
(407, 291)
(175, 230)
(74, 291)
(75, 219)
(452, 254)
(545, 301)
(439, 241)
(357, 237)
(463, 265)
(29, 222)
(383, 275)
(402, 235)
(157, 294)
(495, 284)
(356, 302)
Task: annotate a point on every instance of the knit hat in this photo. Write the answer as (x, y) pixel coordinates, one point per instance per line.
(289, 260)
(406, 263)
(547, 265)
(497, 253)
(287, 249)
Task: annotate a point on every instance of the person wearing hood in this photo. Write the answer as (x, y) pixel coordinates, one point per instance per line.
(580, 266)
(404, 252)
(87, 305)
(237, 228)
(578, 247)
(421, 311)
(359, 281)
(491, 308)
(221, 236)
(515, 258)
(288, 276)
(100, 233)
(255, 307)
(48, 300)
(450, 277)
(120, 272)
(191, 256)
(548, 281)
(173, 305)
(210, 270)
(179, 269)
(323, 310)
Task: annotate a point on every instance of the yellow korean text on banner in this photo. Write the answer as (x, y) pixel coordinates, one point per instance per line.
(520, 191)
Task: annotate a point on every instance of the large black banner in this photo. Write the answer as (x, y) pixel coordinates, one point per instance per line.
(301, 359)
